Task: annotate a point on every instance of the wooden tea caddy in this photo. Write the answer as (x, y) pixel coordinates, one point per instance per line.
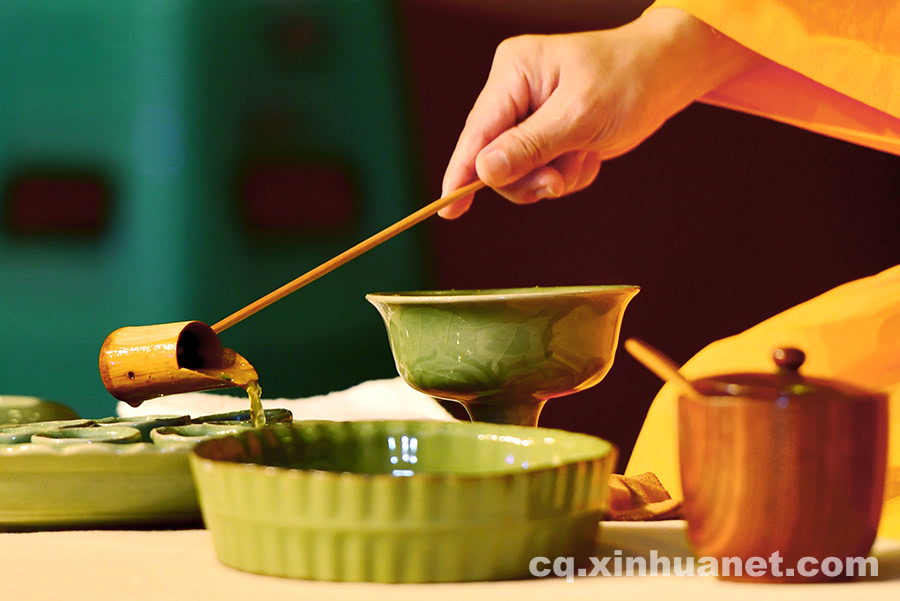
(780, 463)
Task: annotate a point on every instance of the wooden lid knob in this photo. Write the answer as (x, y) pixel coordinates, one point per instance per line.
(789, 358)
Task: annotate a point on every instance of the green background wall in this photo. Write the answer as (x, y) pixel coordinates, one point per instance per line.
(171, 107)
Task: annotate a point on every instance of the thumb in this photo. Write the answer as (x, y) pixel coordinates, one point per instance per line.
(518, 151)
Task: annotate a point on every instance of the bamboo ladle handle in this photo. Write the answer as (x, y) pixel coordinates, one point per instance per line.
(661, 365)
(347, 255)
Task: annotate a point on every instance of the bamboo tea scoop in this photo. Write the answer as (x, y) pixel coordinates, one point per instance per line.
(661, 365)
(144, 362)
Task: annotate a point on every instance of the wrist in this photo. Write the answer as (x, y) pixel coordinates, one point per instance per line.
(692, 57)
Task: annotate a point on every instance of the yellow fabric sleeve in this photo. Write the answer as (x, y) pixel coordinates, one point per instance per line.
(834, 69)
(834, 66)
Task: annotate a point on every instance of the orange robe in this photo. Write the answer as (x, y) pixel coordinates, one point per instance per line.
(834, 69)
(834, 66)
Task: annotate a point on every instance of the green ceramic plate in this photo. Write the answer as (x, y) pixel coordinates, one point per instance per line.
(95, 484)
(54, 486)
(401, 501)
(26, 409)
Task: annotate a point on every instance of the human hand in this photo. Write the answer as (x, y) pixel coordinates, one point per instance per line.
(555, 107)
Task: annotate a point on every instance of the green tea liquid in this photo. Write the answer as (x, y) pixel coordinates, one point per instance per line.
(257, 414)
(237, 371)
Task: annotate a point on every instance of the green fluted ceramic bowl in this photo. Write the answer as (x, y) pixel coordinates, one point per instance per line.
(503, 353)
(401, 501)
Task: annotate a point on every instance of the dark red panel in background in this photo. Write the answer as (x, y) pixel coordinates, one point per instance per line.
(299, 199)
(57, 204)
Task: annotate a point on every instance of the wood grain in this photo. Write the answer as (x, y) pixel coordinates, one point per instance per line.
(801, 476)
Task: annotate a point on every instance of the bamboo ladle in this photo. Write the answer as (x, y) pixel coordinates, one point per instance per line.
(661, 365)
(138, 363)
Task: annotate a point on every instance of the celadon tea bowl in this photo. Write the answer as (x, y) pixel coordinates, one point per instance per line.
(401, 501)
(503, 353)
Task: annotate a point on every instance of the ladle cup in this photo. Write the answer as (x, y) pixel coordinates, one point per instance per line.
(144, 362)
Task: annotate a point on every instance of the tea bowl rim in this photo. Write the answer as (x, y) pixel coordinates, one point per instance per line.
(495, 294)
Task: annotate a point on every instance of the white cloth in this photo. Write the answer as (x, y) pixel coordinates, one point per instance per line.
(372, 400)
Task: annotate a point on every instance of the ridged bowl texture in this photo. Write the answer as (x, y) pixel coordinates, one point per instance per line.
(401, 501)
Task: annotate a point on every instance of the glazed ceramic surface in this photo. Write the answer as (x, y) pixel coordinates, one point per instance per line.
(401, 501)
(20, 433)
(88, 435)
(243, 417)
(147, 423)
(496, 350)
(26, 409)
(85, 473)
(191, 434)
(90, 485)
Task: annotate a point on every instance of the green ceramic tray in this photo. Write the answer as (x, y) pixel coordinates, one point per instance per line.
(47, 485)
(94, 485)
(26, 409)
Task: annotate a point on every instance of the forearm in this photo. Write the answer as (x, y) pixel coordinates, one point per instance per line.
(693, 58)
